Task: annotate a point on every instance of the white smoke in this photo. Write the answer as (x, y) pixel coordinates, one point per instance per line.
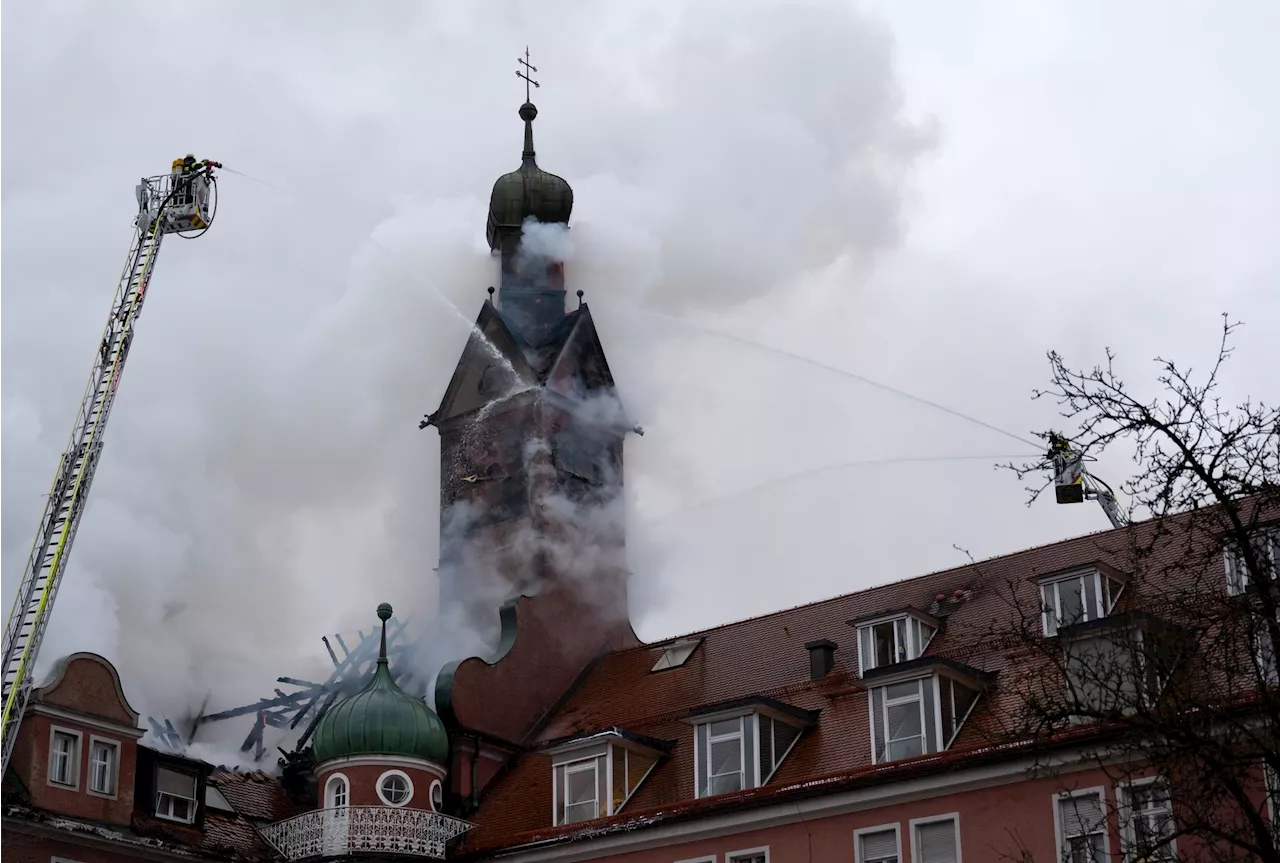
(265, 481)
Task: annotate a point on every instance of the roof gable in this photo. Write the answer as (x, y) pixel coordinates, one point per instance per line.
(492, 364)
(88, 684)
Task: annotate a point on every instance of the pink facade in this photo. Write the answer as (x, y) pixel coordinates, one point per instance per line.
(999, 814)
(361, 780)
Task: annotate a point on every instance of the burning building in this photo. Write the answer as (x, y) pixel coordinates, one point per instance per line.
(892, 724)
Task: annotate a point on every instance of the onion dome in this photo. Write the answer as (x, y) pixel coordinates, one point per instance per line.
(381, 719)
(528, 191)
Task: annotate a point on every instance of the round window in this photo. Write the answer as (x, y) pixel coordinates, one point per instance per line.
(395, 788)
(437, 796)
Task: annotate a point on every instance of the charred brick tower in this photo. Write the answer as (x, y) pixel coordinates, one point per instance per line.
(531, 438)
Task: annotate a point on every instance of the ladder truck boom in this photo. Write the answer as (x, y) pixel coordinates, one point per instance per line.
(1073, 484)
(181, 202)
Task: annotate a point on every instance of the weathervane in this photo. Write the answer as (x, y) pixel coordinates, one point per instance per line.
(527, 80)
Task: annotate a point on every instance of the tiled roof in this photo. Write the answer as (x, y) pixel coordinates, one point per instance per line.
(256, 795)
(765, 656)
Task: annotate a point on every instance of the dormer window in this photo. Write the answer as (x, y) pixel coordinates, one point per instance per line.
(893, 638)
(596, 774)
(175, 795)
(676, 654)
(1119, 665)
(1266, 546)
(742, 746)
(1078, 596)
(920, 709)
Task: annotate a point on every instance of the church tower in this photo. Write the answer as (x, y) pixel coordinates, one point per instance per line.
(531, 439)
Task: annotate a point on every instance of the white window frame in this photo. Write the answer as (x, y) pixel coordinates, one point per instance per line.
(1128, 840)
(896, 827)
(911, 627)
(336, 779)
(74, 757)
(741, 736)
(1104, 599)
(114, 767)
(437, 795)
(560, 785)
(395, 774)
(763, 778)
(193, 799)
(918, 699)
(747, 854)
(1237, 577)
(915, 823)
(1058, 797)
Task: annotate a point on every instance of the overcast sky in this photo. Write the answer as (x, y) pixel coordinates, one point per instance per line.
(931, 195)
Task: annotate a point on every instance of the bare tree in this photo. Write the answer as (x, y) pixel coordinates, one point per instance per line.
(1160, 660)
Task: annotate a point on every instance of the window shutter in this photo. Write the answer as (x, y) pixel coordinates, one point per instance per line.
(879, 846)
(877, 725)
(700, 770)
(937, 841)
(177, 784)
(930, 718)
(1081, 815)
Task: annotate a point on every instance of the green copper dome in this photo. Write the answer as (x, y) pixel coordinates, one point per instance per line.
(528, 191)
(381, 719)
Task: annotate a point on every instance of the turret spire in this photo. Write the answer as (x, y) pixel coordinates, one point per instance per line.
(384, 614)
(528, 111)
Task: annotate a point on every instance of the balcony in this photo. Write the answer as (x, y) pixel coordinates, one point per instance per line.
(355, 830)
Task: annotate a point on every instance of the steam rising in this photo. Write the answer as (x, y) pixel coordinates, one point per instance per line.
(265, 481)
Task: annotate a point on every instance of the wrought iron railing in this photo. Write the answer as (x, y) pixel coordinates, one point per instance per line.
(345, 830)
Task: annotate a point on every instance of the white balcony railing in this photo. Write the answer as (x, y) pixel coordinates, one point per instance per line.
(347, 830)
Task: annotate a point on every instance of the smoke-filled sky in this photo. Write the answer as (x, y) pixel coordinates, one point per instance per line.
(930, 195)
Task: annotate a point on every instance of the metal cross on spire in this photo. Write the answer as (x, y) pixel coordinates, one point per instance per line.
(528, 68)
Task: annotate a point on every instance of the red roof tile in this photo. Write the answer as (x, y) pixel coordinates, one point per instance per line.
(765, 656)
(256, 795)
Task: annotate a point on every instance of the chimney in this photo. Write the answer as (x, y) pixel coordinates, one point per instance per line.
(822, 656)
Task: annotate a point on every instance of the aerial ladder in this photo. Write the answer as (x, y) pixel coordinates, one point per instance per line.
(182, 202)
(1072, 483)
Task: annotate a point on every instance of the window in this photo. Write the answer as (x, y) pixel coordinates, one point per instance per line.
(1265, 651)
(437, 796)
(1082, 827)
(595, 775)
(904, 721)
(894, 640)
(1147, 822)
(676, 654)
(724, 767)
(64, 758)
(175, 795)
(957, 702)
(753, 855)
(901, 724)
(876, 845)
(1122, 669)
(1076, 598)
(936, 840)
(335, 792)
(103, 766)
(776, 740)
(629, 769)
(578, 791)
(1266, 545)
(213, 799)
(395, 788)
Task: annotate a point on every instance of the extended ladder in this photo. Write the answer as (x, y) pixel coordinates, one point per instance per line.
(167, 204)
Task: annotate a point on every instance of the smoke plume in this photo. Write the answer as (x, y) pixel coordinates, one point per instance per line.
(265, 481)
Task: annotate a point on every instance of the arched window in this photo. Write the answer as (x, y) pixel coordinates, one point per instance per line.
(335, 791)
(395, 788)
(437, 796)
